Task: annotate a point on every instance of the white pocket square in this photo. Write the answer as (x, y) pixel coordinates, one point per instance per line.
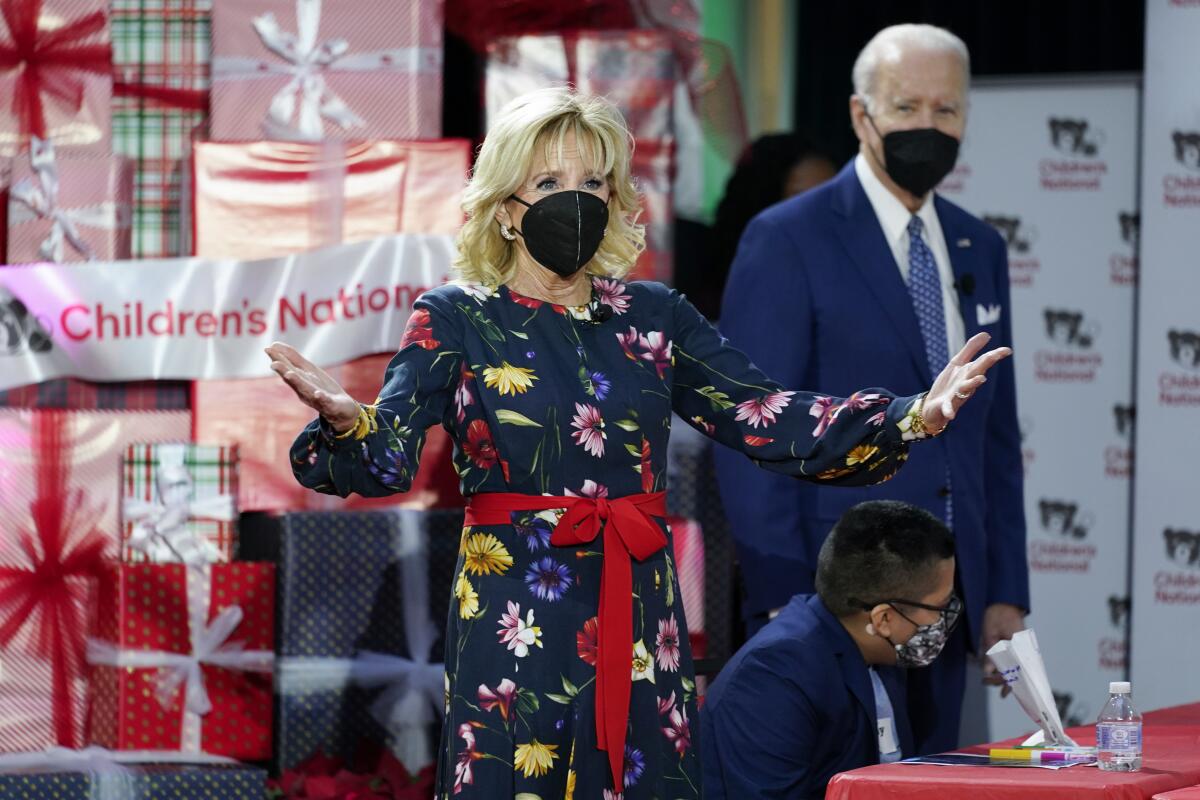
(987, 315)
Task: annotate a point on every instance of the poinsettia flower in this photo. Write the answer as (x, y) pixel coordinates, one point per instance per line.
(667, 644)
(589, 489)
(643, 664)
(656, 348)
(479, 445)
(519, 634)
(590, 433)
(419, 332)
(678, 732)
(501, 697)
(762, 410)
(611, 293)
(585, 641)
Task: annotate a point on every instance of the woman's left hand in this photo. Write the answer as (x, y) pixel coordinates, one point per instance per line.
(958, 381)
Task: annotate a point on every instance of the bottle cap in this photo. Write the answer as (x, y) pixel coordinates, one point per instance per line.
(1119, 687)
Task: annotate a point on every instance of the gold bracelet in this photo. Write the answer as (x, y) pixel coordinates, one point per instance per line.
(919, 421)
(360, 423)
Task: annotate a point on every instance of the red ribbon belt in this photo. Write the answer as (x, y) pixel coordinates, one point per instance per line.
(629, 530)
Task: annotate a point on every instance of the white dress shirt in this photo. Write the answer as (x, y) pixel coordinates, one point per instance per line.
(894, 217)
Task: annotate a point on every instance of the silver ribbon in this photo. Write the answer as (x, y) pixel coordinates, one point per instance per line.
(306, 61)
(39, 200)
(413, 687)
(108, 778)
(160, 526)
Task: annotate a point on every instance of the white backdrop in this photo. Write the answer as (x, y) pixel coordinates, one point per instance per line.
(1166, 598)
(1052, 165)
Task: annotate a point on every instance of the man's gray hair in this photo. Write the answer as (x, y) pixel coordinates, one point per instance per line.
(887, 45)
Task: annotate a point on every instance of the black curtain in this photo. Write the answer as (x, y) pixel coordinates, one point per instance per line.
(1005, 38)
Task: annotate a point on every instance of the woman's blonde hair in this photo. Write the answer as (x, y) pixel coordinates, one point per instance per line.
(536, 124)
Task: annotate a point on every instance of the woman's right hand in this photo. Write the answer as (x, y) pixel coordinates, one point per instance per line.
(314, 387)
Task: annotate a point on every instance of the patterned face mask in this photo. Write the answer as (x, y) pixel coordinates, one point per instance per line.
(927, 642)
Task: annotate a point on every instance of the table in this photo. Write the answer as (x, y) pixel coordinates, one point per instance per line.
(1190, 793)
(1171, 760)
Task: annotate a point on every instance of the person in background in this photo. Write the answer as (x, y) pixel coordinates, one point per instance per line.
(818, 690)
(774, 167)
(874, 276)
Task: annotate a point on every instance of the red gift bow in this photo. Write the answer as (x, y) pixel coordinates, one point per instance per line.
(50, 62)
(629, 531)
(45, 594)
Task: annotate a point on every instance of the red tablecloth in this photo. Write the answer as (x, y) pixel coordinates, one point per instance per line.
(1190, 793)
(1171, 760)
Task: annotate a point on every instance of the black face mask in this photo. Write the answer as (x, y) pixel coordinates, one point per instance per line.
(563, 230)
(917, 160)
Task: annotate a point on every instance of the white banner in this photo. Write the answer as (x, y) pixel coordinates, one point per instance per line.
(1052, 165)
(202, 318)
(1166, 578)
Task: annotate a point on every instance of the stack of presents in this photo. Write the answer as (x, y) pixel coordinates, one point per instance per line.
(178, 618)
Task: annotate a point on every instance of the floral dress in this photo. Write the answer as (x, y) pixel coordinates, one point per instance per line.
(544, 399)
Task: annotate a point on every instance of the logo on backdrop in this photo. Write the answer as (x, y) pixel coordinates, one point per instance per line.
(1067, 527)
(1028, 454)
(19, 332)
(1019, 238)
(1179, 584)
(956, 181)
(1078, 166)
(1182, 187)
(1118, 459)
(1123, 266)
(1072, 358)
(1180, 386)
(1113, 651)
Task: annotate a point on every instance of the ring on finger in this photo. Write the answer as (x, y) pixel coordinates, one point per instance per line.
(962, 396)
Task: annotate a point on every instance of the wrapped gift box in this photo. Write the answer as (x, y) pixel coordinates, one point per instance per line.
(326, 69)
(160, 103)
(85, 448)
(75, 394)
(636, 70)
(64, 208)
(276, 198)
(66, 99)
(150, 614)
(352, 584)
(176, 781)
(264, 418)
(178, 503)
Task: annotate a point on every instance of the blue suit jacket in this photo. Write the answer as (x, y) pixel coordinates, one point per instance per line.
(816, 300)
(793, 708)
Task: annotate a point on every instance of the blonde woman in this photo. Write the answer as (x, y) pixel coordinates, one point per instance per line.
(567, 655)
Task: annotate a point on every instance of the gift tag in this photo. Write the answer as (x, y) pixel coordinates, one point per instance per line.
(887, 736)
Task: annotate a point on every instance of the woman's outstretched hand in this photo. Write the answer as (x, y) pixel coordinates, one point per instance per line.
(314, 387)
(958, 381)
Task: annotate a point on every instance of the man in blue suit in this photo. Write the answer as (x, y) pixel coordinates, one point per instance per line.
(817, 691)
(871, 280)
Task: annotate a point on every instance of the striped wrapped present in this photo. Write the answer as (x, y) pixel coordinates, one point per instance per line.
(160, 103)
(178, 503)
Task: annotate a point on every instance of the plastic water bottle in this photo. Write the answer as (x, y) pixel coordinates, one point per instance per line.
(1119, 731)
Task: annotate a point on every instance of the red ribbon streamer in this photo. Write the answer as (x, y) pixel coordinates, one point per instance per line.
(186, 99)
(629, 531)
(50, 63)
(48, 594)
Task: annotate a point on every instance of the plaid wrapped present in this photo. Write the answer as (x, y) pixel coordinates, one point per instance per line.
(160, 104)
(62, 92)
(176, 781)
(263, 416)
(76, 394)
(636, 70)
(369, 589)
(267, 199)
(5, 181)
(178, 503)
(64, 208)
(310, 70)
(155, 622)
